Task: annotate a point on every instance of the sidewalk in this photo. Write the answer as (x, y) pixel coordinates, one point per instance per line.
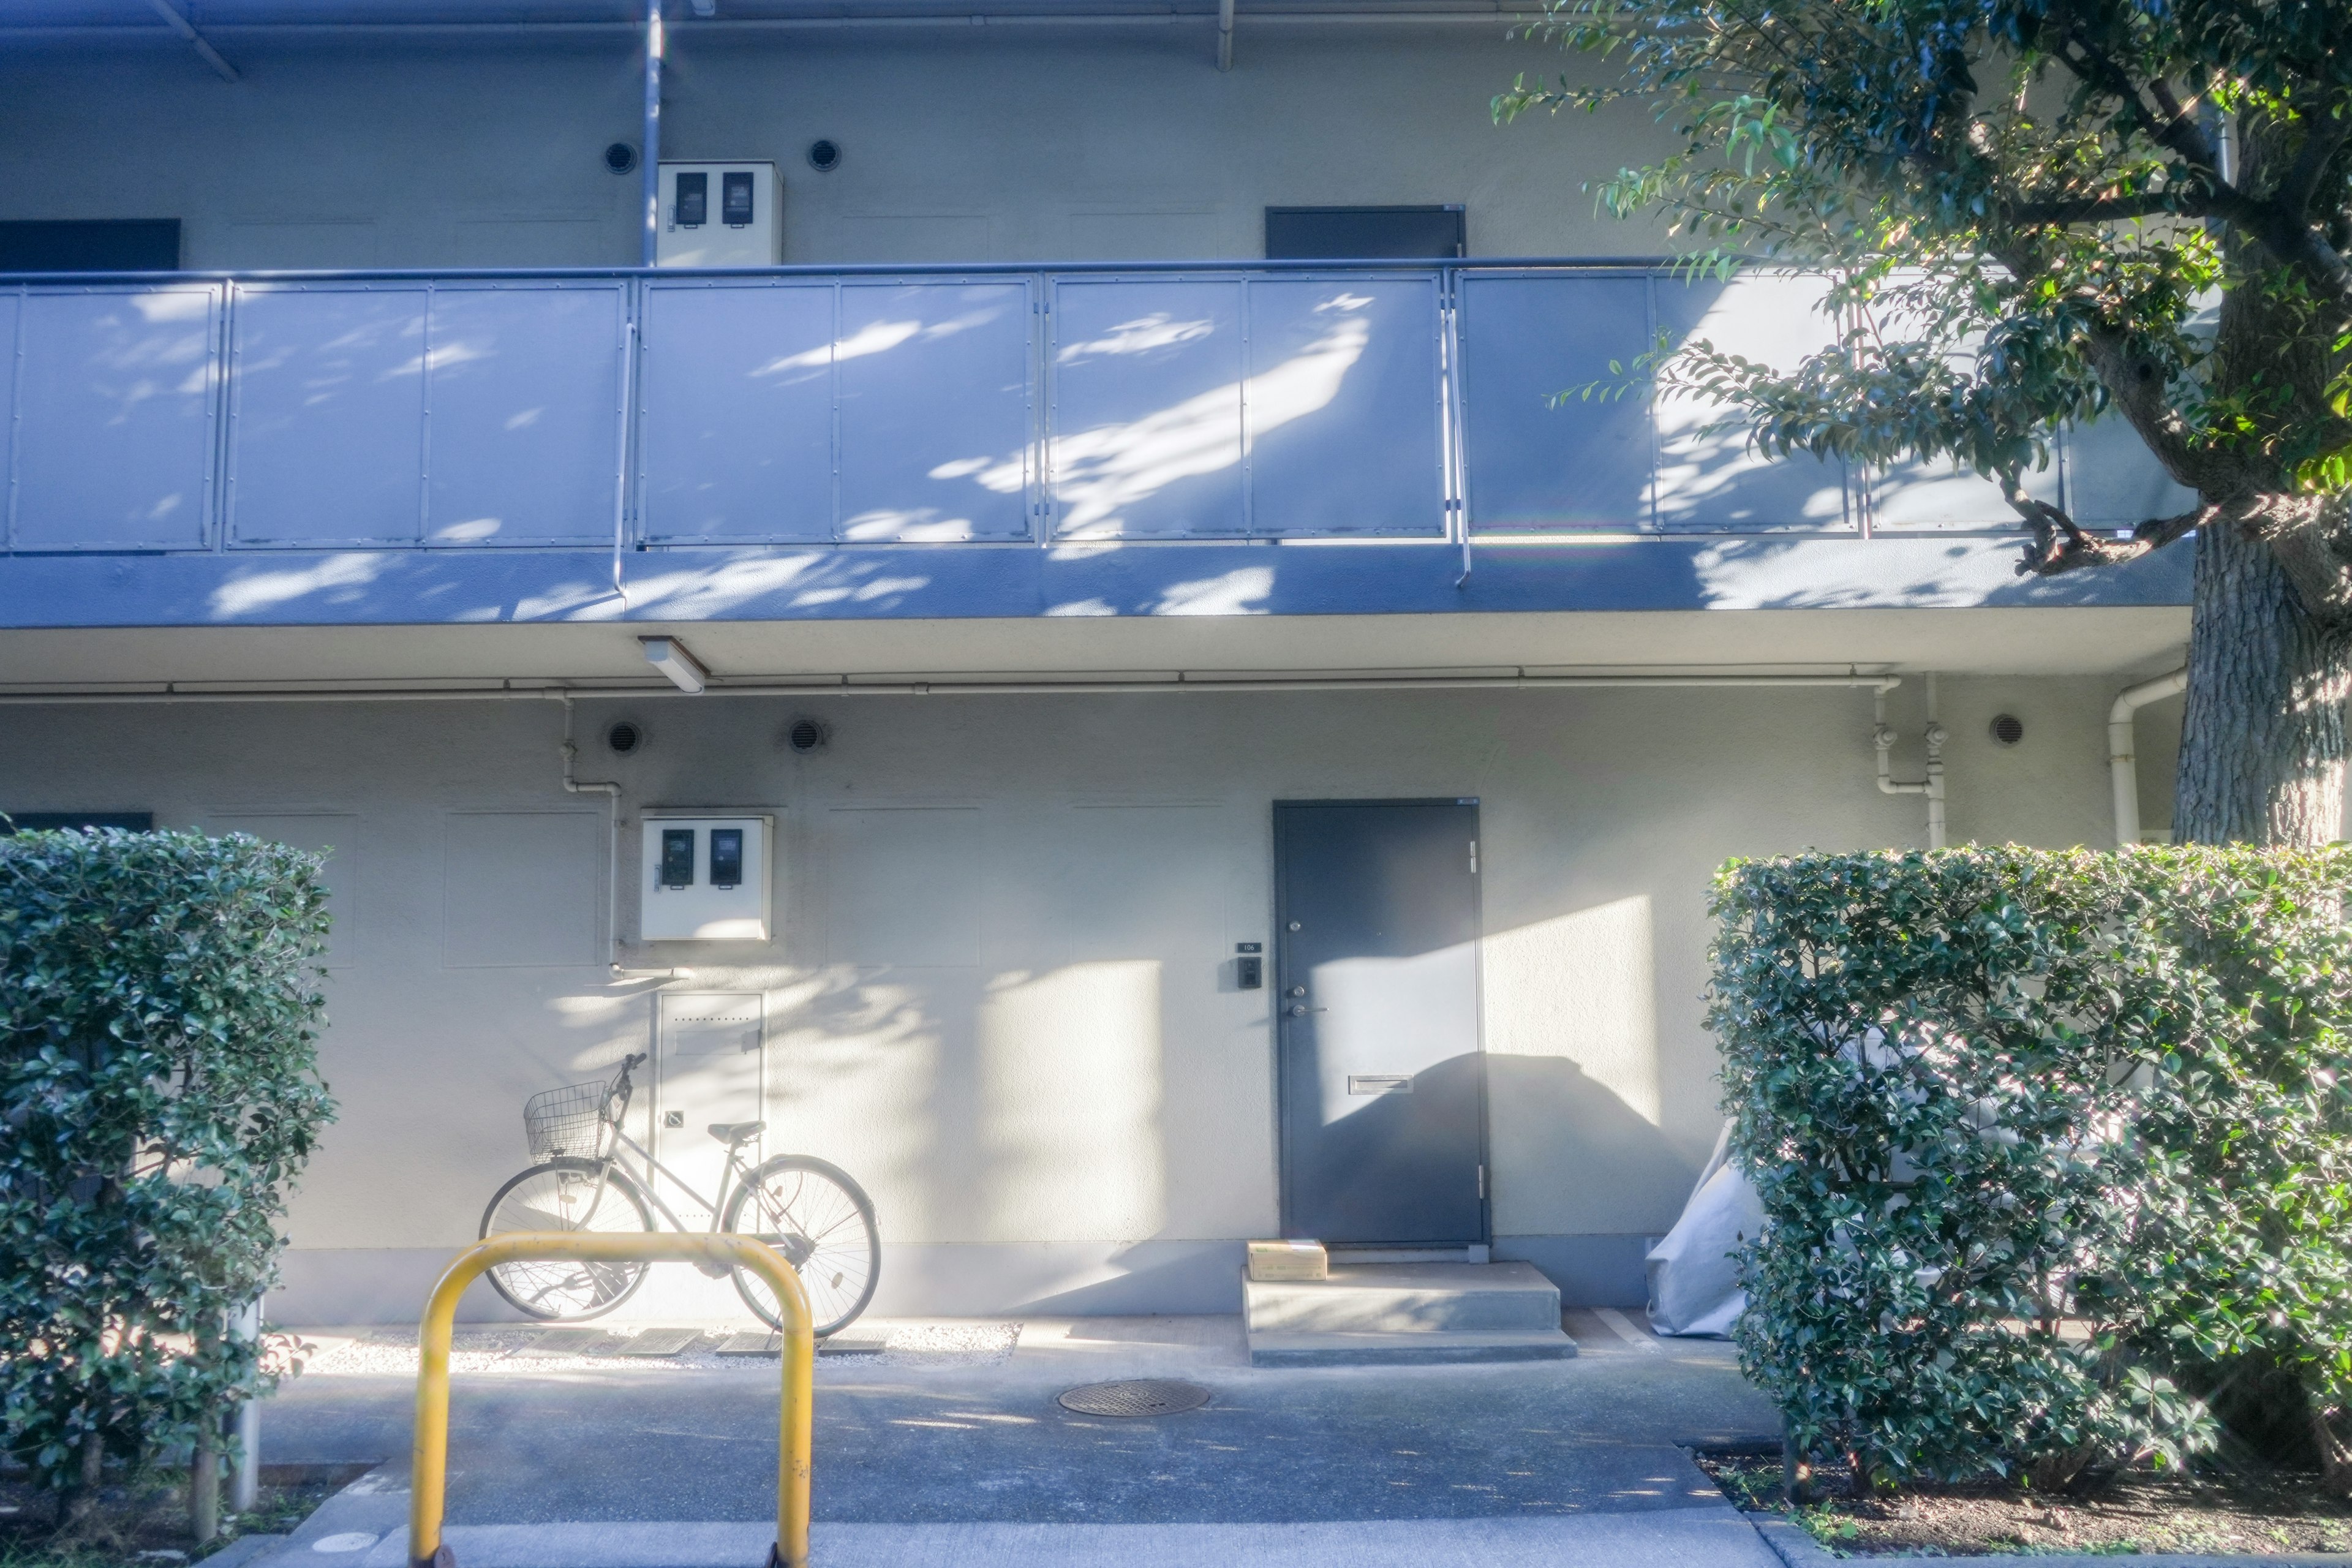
(935, 1459)
(970, 1460)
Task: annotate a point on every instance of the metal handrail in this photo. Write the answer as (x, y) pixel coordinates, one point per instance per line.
(430, 1462)
(1218, 264)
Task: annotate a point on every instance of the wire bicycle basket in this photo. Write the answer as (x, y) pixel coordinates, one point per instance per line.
(567, 1121)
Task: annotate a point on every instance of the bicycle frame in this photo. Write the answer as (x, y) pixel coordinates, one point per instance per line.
(737, 1174)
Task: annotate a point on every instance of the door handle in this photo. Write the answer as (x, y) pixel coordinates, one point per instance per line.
(1301, 1009)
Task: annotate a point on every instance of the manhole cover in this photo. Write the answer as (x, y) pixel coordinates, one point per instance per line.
(1136, 1396)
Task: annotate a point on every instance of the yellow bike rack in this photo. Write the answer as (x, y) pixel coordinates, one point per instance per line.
(428, 1473)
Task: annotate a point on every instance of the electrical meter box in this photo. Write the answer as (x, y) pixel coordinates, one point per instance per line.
(704, 878)
(720, 214)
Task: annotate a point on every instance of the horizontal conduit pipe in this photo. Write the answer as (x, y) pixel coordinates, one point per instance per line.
(2123, 758)
(1878, 683)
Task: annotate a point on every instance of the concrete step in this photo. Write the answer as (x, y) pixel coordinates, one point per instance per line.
(1422, 1348)
(1406, 1299)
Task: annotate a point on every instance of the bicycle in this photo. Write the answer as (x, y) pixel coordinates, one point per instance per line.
(805, 1208)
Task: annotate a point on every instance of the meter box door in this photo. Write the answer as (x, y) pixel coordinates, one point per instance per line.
(704, 877)
(721, 214)
(712, 1057)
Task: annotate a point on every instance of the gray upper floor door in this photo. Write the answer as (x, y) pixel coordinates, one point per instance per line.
(1376, 967)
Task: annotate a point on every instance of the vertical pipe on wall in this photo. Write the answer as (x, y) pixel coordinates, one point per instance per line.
(650, 160)
(612, 793)
(2123, 749)
(1224, 35)
(245, 1486)
(1883, 738)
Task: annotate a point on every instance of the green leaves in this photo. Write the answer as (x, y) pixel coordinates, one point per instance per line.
(2049, 1144)
(2029, 210)
(159, 1016)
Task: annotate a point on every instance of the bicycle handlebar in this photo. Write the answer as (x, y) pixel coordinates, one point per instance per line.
(621, 1088)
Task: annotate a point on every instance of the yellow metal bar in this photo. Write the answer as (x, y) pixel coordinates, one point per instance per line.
(795, 1422)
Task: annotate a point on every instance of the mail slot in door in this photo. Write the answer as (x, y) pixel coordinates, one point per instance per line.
(1379, 1083)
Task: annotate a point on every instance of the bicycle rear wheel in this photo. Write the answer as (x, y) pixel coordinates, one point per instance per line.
(824, 1223)
(567, 1194)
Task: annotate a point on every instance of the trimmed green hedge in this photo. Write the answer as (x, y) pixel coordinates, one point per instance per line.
(159, 1013)
(2054, 1150)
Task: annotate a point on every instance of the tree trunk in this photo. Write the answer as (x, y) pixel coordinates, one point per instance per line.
(2262, 745)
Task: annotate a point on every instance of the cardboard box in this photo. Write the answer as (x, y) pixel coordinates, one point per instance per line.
(1272, 1261)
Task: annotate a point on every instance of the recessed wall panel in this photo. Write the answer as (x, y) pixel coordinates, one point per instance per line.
(735, 395)
(522, 888)
(327, 394)
(903, 887)
(1147, 417)
(115, 418)
(1709, 476)
(1554, 437)
(1344, 406)
(524, 406)
(933, 382)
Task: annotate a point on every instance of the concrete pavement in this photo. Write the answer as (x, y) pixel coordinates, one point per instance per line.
(1518, 1463)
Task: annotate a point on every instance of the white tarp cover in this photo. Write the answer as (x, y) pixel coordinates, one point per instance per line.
(1693, 1289)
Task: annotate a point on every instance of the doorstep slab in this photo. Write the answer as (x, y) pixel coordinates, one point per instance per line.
(1405, 1297)
(1419, 1349)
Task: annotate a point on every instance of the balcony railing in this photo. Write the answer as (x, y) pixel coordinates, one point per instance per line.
(797, 407)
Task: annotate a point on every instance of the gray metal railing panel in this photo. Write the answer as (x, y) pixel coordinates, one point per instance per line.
(114, 415)
(857, 405)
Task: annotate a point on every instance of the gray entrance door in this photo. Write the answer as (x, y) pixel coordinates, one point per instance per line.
(1376, 969)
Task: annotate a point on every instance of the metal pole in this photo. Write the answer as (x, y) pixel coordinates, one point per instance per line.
(245, 1490)
(650, 158)
(428, 1469)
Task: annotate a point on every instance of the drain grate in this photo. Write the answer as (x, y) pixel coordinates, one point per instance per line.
(1136, 1396)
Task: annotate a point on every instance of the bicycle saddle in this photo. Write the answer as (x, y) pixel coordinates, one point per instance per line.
(733, 1132)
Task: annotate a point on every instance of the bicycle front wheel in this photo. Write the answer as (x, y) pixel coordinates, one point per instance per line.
(824, 1223)
(567, 1194)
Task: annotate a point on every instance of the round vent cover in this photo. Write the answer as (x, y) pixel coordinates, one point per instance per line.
(805, 735)
(1136, 1396)
(620, 157)
(2008, 728)
(624, 737)
(824, 156)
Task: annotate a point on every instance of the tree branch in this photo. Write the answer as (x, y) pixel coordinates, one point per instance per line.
(2301, 183)
(2166, 203)
(2060, 545)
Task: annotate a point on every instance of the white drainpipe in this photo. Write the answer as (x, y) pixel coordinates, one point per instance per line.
(1882, 737)
(2123, 762)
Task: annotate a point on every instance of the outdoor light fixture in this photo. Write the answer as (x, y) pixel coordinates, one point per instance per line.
(669, 656)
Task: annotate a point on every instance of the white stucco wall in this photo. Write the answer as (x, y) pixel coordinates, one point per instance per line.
(998, 993)
(960, 144)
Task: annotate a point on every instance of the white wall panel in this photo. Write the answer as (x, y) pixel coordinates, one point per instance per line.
(114, 418)
(522, 889)
(903, 885)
